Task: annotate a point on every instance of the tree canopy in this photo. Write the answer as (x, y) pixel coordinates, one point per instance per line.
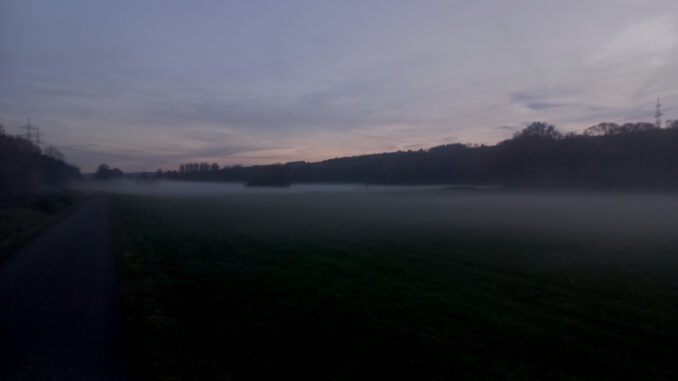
(539, 129)
(104, 172)
(24, 169)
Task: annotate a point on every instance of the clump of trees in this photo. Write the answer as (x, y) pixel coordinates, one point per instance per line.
(104, 173)
(203, 171)
(198, 167)
(603, 129)
(25, 169)
(196, 171)
(539, 130)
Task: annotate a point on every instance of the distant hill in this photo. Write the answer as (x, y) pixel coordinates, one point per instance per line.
(607, 156)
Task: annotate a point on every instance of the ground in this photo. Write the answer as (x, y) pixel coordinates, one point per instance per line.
(425, 284)
(22, 219)
(60, 304)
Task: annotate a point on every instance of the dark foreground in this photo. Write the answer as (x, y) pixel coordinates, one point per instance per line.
(59, 303)
(400, 285)
(21, 219)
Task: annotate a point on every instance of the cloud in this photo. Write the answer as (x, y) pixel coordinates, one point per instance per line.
(544, 105)
(647, 43)
(154, 85)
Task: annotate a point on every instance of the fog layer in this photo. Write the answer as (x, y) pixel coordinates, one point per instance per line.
(603, 218)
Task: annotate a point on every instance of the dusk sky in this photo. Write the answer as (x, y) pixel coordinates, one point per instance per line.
(142, 85)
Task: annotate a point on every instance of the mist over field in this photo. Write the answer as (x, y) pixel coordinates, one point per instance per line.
(613, 218)
(190, 188)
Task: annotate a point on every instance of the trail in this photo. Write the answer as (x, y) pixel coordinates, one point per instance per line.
(59, 303)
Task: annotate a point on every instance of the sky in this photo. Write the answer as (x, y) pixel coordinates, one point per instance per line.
(146, 85)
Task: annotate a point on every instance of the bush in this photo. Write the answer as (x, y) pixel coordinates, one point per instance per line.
(53, 203)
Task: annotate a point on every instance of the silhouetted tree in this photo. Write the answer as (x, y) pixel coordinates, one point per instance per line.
(638, 127)
(104, 172)
(539, 129)
(602, 129)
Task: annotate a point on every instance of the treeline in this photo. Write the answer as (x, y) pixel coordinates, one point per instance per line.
(257, 175)
(605, 156)
(25, 169)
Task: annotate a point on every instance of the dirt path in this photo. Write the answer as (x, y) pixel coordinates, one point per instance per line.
(59, 305)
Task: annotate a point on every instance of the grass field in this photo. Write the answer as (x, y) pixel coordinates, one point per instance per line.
(422, 284)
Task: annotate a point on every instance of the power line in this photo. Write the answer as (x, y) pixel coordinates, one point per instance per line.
(29, 130)
(650, 113)
(611, 113)
(32, 134)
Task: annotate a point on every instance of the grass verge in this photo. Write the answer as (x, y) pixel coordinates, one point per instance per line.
(22, 220)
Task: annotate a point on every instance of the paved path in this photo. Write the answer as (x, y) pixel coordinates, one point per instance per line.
(59, 303)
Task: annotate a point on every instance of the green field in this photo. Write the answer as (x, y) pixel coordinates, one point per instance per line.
(421, 284)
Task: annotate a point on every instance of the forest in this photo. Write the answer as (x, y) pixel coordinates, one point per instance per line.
(633, 156)
(26, 169)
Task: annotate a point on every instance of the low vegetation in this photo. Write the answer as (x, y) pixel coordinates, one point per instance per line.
(33, 189)
(26, 170)
(21, 219)
(399, 285)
